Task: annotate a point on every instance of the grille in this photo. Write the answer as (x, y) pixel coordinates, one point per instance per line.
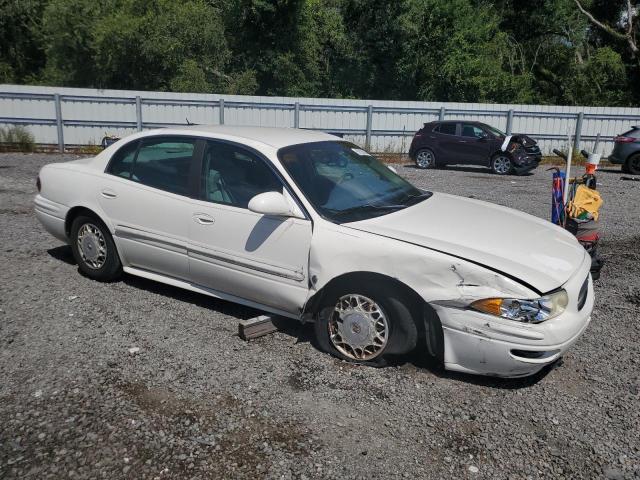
(582, 296)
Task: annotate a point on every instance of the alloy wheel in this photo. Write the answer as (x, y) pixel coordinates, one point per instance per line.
(358, 327)
(502, 164)
(425, 159)
(92, 246)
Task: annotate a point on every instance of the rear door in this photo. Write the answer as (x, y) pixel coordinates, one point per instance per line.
(260, 258)
(146, 196)
(446, 141)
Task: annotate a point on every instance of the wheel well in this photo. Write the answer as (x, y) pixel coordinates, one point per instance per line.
(423, 314)
(73, 214)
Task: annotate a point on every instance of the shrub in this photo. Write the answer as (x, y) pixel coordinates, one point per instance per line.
(17, 137)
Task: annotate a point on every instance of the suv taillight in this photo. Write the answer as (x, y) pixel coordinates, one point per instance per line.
(38, 184)
(623, 139)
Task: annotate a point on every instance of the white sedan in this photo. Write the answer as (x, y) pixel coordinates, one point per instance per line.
(311, 227)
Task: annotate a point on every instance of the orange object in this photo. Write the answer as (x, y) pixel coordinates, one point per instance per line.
(591, 168)
(489, 305)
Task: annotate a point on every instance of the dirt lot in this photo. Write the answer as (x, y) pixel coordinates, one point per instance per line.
(198, 402)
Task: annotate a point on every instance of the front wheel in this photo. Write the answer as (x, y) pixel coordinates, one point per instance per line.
(501, 164)
(425, 158)
(365, 326)
(94, 250)
(632, 165)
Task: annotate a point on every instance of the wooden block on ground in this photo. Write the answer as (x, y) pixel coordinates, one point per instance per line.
(256, 327)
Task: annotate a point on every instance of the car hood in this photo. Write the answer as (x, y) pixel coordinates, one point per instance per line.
(526, 248)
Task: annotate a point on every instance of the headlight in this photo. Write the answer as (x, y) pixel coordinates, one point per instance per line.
(527, 311)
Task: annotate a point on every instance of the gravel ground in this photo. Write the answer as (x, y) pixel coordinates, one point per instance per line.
(197, 402)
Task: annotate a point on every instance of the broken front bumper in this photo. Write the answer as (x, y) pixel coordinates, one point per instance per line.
(482, 344)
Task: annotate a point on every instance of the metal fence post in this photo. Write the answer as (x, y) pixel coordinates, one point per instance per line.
(296, 115)
(576, 138)
(59, 124)
(509, 122)
(596, 144)
(369, 122)
(221, 107)
(442, 112)
(139, 113)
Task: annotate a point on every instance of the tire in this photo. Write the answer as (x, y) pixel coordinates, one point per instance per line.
(501, 164)
(632, 165)
(425, 158)
(94, 250)
(352, 337)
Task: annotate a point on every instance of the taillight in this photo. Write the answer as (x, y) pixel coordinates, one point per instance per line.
(38, 184)
(623, 139)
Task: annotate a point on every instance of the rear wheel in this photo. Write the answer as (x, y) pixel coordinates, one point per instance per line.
(632, 164)
(425, 158)
(94, 250)
(501, 164)
(366, 325)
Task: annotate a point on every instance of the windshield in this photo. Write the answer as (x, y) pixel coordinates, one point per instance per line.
(495, 131)
(344, 183)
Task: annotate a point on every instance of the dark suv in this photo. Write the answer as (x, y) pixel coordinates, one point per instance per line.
(472, 143)
(627, 151)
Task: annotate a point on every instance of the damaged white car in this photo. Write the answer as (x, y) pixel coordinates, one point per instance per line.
(308, 226)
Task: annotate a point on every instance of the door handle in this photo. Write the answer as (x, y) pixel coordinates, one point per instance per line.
(106, 193)
(462, 141)
(203, 219)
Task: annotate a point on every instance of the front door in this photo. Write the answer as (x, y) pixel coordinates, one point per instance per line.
(233, 250)
(474, 145)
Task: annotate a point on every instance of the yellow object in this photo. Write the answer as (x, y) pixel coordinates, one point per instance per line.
(585, 200)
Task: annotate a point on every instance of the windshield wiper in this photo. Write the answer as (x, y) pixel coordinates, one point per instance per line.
(413, 199)
(367, 207)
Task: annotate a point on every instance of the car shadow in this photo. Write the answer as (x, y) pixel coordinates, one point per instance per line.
(609, 170)
(303, 333)
(62, 253)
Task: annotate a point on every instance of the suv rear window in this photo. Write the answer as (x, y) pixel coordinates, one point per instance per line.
(633, 133)
(446, 128)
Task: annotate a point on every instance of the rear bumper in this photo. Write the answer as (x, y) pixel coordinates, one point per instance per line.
(52, 216)
(622, 151)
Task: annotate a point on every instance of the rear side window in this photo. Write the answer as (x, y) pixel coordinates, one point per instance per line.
(446, 128)
(122, 162)
(633, 133)
(162, 163)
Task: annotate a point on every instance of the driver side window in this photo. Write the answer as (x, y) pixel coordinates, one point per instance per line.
(472, 131)
(232, 175)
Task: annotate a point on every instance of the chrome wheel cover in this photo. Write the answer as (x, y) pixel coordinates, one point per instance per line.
(502, 164)
(425, 159)
(92, 246)
(358, 327)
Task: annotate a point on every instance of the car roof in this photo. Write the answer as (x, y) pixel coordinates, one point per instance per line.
(274, 137)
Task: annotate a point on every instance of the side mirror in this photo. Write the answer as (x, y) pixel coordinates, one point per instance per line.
(393, 169)
(271, 203)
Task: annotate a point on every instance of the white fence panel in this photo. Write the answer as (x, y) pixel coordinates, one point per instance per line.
(86, 115)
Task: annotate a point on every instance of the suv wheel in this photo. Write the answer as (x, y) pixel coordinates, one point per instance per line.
(501, 164)
(425, 158)
(632, 164)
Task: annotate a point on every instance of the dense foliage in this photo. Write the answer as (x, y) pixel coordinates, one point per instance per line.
(507, 51)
